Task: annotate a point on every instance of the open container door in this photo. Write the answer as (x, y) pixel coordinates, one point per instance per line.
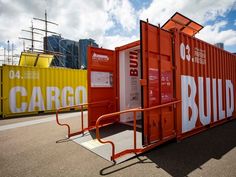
(157, 83)
(102, 84)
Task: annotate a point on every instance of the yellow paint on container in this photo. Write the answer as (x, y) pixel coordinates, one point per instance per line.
(28, 90)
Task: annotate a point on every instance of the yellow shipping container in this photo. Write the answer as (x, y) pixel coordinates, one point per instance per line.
(30, 90)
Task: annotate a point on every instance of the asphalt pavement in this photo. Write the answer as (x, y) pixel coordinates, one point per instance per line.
(40, 149)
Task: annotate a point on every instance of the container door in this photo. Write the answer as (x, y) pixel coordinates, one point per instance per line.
(157, 83)
(102, 84)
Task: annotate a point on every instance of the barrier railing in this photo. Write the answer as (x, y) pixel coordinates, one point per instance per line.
(135, 110)
(81, 108)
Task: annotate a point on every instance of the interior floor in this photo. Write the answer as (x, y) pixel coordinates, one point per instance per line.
(121, 135)
(131, 123)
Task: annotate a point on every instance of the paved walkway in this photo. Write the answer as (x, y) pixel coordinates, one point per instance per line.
(29, 148)
(48, 118)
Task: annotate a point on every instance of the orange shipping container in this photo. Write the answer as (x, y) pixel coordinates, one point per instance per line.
(164, 66)
(200, 74)
(170, 84)
(210, 74)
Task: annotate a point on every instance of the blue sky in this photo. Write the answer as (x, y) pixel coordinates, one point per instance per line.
(138, 4)
(231, 18)
(225, 14)
(114, 23)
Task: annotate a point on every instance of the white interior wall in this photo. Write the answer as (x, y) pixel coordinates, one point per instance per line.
(130, 88)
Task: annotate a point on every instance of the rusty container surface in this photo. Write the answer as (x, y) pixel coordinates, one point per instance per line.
(33, 90)
(206, 83)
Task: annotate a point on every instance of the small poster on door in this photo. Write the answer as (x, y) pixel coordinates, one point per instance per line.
(101, 79)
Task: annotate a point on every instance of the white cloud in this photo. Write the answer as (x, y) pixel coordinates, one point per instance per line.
(123, 12)
(94, 19)
(76, 18)
(110, 42)
(213, 34)
(83, 19)
(200, 11)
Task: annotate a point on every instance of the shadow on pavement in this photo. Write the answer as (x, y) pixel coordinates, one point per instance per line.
(180, 159)
(121, 166)
(63, 140)
(112, 129)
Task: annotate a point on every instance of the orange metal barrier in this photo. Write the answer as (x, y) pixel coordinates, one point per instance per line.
(81, 107)
(134, 150)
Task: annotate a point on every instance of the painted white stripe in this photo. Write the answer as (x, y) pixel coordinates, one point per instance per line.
(38, 121)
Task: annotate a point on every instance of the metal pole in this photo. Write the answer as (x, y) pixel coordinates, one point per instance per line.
(46, 29)
(24, 45)
(135, 123)
(12, 46)
(8, 50)
(4, 56)
(82, 118)
(32, 35)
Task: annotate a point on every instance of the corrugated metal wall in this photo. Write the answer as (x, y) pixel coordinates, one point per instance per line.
(208, 83)
(30, 90)
(204, 79)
